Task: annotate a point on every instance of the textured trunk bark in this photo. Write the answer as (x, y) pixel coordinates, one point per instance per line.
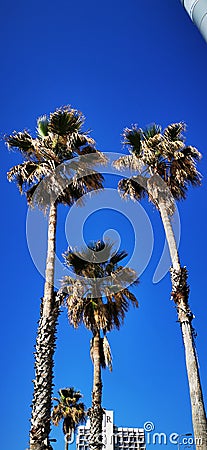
(197, 403)
(45, 347)
(96, 412)
(180, 294)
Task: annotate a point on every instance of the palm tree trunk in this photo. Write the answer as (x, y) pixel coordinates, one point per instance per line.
(96, 412)
(50, 263)
(66, 443)
(169, 236)
(180, 294)
(45, 347)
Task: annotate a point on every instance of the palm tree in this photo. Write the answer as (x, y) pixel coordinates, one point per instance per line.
(56, 169)
(98, 296)
(165, 167)
(70, 410)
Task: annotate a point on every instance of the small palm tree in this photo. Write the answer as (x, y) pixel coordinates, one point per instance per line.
(98, 296)
(50, 174)
(165, 168)
(70, 410)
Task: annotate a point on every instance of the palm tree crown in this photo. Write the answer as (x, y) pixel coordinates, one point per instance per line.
(98, 296)
(153, 151)
(69, 409)
(59, 139)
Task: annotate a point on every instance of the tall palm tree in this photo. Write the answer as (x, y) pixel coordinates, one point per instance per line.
(98, 296)
(165, 168)
(70, 410)
(55, 170)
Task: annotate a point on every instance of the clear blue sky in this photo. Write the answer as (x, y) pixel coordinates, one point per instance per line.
(119, 63)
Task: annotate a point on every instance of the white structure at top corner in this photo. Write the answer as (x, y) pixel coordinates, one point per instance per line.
(197, 10)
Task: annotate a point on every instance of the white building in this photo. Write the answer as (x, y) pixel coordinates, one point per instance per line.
(197, 10)
(114, 438)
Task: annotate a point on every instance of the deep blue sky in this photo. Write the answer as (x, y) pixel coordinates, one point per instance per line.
(119, 63)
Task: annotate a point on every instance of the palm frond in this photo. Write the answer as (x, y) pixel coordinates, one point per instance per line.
(75, 260)
(130, 297)
(28, 173)
(132, 139)
(117, 257)
(104, 351)
(174, 132)
(191, 152)
(131, 187)
(65, 120)
(75, 140)
(94, 157)
(70, 395)
(42, 126)
(107, 353)
(151, 131)
(22, 141)
(128, 162)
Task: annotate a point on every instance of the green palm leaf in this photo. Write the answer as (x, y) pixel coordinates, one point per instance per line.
(42, 126)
